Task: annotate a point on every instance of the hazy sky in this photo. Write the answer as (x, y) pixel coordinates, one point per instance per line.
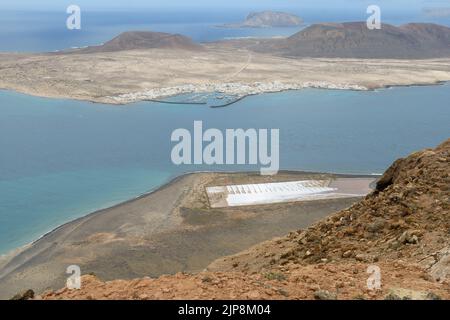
(406, 5)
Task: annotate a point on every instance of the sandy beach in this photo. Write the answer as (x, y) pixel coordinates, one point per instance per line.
(170, 230)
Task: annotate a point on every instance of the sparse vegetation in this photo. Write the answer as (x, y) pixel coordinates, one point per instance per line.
(275, 276)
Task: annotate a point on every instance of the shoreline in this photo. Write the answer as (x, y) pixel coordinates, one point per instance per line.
(116, 100)
(168, 230)
(238, 97)
(239, 90)
(4, 258)
(123, 77)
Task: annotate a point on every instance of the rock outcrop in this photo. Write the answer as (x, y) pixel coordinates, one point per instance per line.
(267, 19)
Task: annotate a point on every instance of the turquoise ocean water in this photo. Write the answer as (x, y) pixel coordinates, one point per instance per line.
(61, 159)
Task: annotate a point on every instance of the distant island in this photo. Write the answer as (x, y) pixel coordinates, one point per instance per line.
(267, 19)
(355, 40)
(145, 65)
(322, 40)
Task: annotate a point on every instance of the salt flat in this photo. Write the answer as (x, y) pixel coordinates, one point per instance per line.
(291, 191)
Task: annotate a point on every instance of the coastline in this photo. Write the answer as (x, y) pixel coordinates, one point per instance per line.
(96, 206)
(239, 90)
(124, 77)
(168, 230)
(7, 256)
(154, 96)
(15, 251)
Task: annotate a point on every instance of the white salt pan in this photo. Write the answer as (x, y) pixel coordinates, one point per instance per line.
(253, 194)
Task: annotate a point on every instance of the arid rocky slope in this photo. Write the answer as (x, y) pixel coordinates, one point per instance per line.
(355, 40)
(403, 228)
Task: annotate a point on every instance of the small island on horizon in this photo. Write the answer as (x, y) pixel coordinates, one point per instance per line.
(267, 19)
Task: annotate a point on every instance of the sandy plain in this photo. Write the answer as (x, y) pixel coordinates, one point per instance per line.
(127, 76)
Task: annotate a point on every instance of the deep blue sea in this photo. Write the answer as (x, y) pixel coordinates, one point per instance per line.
(61, 159)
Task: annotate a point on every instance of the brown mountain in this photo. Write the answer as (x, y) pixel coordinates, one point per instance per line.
(133, 40)
(355, 40)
